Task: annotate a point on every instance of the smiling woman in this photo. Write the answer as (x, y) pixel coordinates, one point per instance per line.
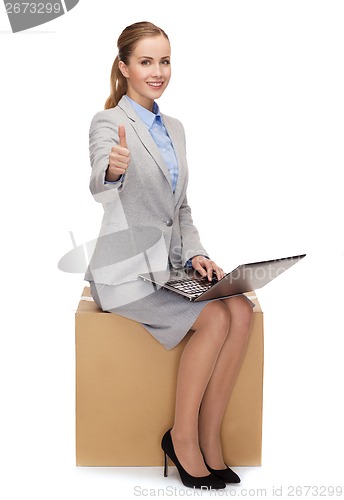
(140, 174)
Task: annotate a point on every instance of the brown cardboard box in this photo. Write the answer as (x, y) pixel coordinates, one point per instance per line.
(125, 392)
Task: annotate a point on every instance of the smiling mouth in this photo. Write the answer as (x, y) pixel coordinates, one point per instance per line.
(155, 85)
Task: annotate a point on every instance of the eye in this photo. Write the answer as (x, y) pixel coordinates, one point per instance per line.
(166, 61)
(145, 62)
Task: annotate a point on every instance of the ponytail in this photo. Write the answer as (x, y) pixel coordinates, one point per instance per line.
(118, 86)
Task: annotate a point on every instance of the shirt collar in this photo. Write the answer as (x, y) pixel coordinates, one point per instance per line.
(146, 116)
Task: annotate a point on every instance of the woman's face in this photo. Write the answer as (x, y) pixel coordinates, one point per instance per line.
(148, 71)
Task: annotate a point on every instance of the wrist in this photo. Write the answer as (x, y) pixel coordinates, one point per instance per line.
(189, 263)
(111, 177)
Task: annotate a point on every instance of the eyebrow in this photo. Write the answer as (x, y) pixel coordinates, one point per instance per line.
(151, 58)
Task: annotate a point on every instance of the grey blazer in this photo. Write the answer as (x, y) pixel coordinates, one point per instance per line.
(145, 226)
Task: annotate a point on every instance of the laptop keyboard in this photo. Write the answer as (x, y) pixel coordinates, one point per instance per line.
(191, 286)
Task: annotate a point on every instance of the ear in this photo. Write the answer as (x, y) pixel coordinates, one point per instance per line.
(123, 69)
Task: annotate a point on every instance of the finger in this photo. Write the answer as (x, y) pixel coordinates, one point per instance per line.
(122, 136)
(118, 152)
(210, 269)
(121, 171)
(219, 273)
(117, 157)
(200, 269)
(117, 170)
(208, 265)
(118, 164)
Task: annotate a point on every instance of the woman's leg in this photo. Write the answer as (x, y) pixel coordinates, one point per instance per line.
(196, 366)
(222, 380)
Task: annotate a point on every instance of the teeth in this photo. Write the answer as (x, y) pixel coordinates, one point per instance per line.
(155, 84)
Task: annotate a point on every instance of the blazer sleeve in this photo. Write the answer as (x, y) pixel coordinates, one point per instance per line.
(103, 135)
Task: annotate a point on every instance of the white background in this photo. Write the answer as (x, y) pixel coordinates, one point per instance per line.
(259, 89)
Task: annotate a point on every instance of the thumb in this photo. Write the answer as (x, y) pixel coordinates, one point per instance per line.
(122, 136)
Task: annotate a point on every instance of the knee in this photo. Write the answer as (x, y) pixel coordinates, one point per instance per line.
(216, 319)
(240, 311)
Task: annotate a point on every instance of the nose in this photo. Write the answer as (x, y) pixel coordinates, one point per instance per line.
(157, 70)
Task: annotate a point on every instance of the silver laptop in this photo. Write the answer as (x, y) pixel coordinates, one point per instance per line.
(244, 278)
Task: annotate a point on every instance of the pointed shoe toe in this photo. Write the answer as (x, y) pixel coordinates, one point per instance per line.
(227, 475)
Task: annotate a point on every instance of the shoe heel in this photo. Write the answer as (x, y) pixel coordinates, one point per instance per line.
(165, 466)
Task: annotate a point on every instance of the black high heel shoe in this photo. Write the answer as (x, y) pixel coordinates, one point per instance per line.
(210, 481)
(227, 475)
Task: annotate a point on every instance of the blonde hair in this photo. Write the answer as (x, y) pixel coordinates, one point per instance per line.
(126, 44)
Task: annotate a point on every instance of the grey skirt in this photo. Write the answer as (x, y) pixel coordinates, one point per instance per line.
(165, 315)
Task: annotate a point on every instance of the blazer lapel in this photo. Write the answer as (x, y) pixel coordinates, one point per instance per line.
(178, 146)
(145, 137)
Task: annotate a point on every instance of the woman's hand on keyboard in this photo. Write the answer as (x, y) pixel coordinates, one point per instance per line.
(206, 267)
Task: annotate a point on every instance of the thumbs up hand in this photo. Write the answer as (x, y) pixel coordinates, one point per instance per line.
(119, 157)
